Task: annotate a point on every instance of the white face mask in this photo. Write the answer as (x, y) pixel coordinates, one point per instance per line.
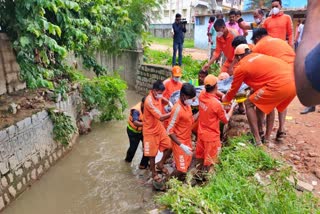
(257, 20)
(219, 34)
(176, 79)
(159, 96)
(275, 11)
(188, 102)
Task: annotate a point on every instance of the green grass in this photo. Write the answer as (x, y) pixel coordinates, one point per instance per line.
(188, 43)
(190, 66)
(234, 189)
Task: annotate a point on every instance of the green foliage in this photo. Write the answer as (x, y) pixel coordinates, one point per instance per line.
(63, 127)
(254, 4)
(62, 89)
(190, 66)
(107, 94)
(234, 189)
(44, 31)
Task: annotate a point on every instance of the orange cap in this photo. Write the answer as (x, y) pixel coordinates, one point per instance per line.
(176, 71)
(241, 49)
(210, 80)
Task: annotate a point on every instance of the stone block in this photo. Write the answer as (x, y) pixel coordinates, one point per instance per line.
(11, 131)
(19, 172)
(40, 170)
(10, 176)
(6, 198)
(28, 177)
(42, 114)
(12, 191)
(301, 185)
(34, 174)
(54, 156)
(13, 162)
(19, 186)
(50, 159)
(27, 164)
(4, 168)
(59, 153)
(3, 136)
(42, 153)
(2, 205)
(46, 165)
(35, 159)
(4, 182)
(35, 119)
(24, 181)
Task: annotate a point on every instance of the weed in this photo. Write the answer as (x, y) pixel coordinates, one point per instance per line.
(63, 127)
(234, 189)
(190, 66)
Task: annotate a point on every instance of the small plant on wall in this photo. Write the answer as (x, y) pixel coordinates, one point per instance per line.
(63, 127)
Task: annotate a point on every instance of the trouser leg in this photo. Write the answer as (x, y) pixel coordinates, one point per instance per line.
(134, 140)
(180, 46)
(175, 48)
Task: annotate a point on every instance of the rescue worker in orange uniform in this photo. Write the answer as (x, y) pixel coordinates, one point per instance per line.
(134, 131)
(154, 134)
(224, 39)
(279, 25)
(171, 84)
(271, 80)
(211, 113)
(179, 130)
(280, 49)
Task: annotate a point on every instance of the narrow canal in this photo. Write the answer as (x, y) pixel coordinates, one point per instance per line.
(92, 178)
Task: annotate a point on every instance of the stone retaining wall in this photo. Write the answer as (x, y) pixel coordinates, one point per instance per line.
(9, 68)
(147, 74)
(27, 150)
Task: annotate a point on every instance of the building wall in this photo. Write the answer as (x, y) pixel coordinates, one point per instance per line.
(28, 150)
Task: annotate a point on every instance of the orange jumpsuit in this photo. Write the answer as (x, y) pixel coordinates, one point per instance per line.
(279, 26)
(275, 47)
(154, 134)
(271, 79)
(210, 114)
(180, 123)
(171, 86)
(225, 45)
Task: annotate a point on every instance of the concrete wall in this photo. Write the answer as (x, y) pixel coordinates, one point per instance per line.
(27, 150)
(164, 30)
(148, 74)
(9, 68)
(126, 63)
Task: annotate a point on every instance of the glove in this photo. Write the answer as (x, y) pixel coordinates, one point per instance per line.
(233, 103)
(186, 149)
(167, 109)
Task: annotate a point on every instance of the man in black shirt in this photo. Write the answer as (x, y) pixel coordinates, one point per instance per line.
(179, 28)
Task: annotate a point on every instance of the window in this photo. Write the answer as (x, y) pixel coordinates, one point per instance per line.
(173, 12)
(184, 13)
(166, 13)
(200, 20)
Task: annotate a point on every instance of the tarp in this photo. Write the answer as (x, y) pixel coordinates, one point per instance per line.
(223, 86)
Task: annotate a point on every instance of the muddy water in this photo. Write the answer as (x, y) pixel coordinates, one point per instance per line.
(92, 178)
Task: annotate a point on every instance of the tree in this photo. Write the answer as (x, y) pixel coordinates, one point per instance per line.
(255, 4)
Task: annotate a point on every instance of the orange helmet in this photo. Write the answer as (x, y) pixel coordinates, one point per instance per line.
(176, 71)
(210, 80)
(241, 49)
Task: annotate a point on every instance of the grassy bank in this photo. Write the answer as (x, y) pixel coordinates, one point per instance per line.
(190, 66)
(188, 43)
(236, 187)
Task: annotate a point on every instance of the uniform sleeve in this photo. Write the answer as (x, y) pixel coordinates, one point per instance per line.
(290, 30)
(174, 119)
(218, 50)
(153, 109)
(238, 78)
(222, 114)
